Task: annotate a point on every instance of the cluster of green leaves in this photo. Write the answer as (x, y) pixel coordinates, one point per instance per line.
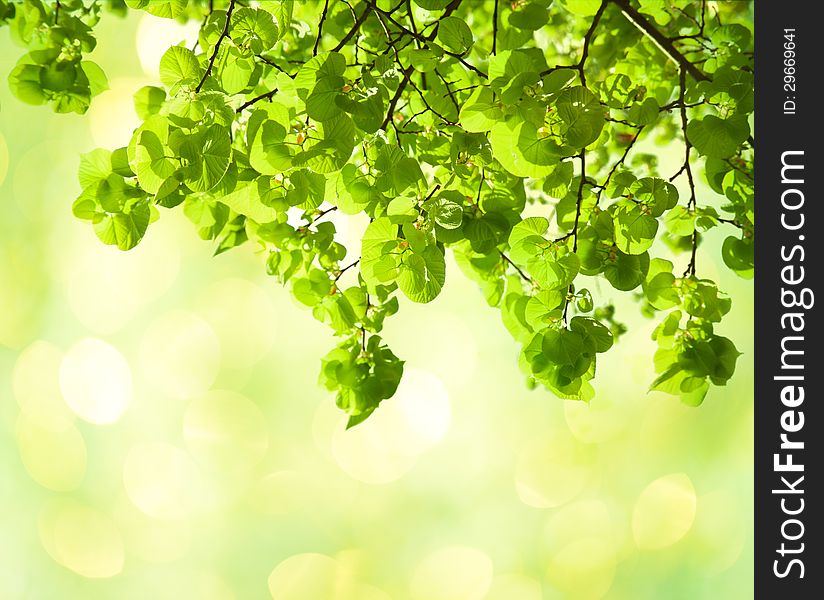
(57, 36)
(447, 124)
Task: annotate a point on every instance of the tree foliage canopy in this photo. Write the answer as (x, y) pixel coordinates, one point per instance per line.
(510, 133)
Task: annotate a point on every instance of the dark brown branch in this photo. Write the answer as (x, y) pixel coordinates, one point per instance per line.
(662, 41)
(345, 269)
(355, 28)
(407, 73)
(682, 82)
(523, 275)
(320, 28)
(265, 96)
(223, 35)
(588, 38)
(580, 200)
(425, 39)
(321, 214)
(495, 28)
(622, 160)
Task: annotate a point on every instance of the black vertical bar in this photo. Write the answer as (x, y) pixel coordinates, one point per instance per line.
(789, 254)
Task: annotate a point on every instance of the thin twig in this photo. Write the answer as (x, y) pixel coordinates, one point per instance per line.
(523, 275)
(495, 28)
(266, 95)
(345, 269)
(320, 27)
(223, 35)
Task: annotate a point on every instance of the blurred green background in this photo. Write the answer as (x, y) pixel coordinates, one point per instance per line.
(162, 434)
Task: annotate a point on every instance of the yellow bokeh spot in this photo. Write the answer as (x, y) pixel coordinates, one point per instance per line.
(155, 35)
(243, 317)
(586, 519)
(583, 569)
(149, 539)
(112, 118)
(284, 492)
(306, 576)
(514, 587)
(452, 573)
(720, 529)
(35, 188)
(596, 421)
(385, 446)
(664, 512)
(552, 470)
(96, 381)
(106, 287)
(226, 430)
(162, 480)
(36, 386)
(54, 459)
(210, 586)
(82, 539)
(180, 354)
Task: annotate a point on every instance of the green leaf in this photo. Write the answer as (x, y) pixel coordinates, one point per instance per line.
(253, 29)
(455, 34)
(124, 230)
(680, 221)
(246, 200)
(634, 230)
(168, 9)
(480, 112)
(97, 78)
(422, 275)
(523, 150)
(179, 64)
(718, 138)
(148, 100)
(738, 255)
(582, 115)
(531, 16)
(626, 272)
(445, 212)
(545, 308)
(659, 285)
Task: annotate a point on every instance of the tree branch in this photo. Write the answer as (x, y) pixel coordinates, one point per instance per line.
(662, 41)
(223, 35)
(523, 275)
(495, 28)
(588, 38)
(355, 28)
(320, 27)
(266, 95)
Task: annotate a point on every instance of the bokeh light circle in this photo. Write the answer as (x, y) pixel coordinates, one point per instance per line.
(452, 573)
(82, 539)
(162, 480)
(243, 317)
(36, 386)
(54, 459)
(155, 35)
(226, 430)
(180, 354)
(552, 469)
(96, 381)
(385, 446)
(664, 512)
(305, 576)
